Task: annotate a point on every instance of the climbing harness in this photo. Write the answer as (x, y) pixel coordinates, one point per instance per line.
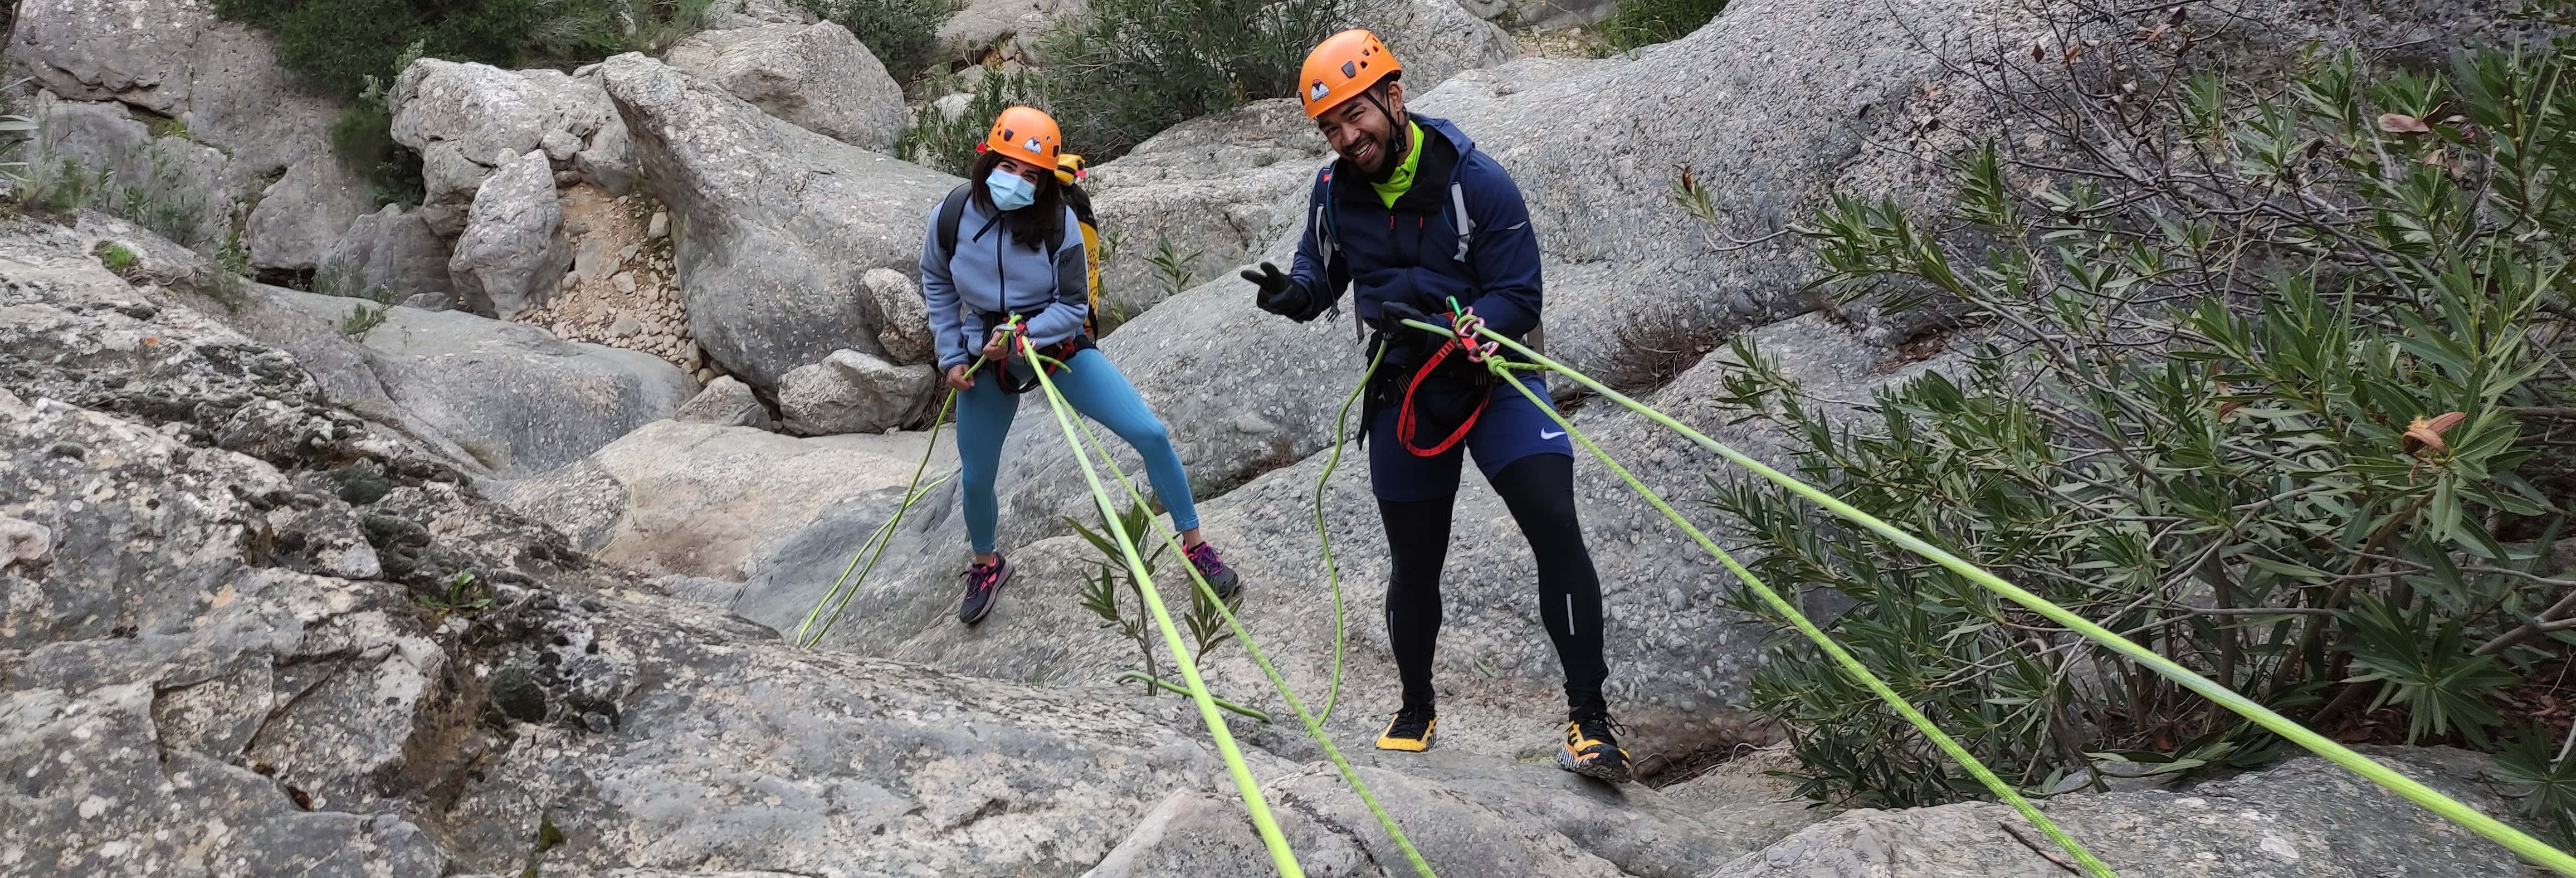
(1055, 357)
(2451, 809)
(1314, 725)
(1462, 388)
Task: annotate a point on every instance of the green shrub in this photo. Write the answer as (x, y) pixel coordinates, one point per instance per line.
(1140, 66)
(2266, 404)
(947, 143)
(337, 44)
(902, 33)
(1638, 23)
(116, 258)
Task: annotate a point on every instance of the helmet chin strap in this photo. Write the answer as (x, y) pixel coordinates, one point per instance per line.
(1397, 134)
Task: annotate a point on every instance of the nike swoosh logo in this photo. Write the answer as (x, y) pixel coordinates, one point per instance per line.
(1543, 434)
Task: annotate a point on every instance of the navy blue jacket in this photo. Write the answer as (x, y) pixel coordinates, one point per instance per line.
(1460, 231)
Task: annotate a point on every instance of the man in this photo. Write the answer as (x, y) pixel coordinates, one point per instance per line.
(1412, 218)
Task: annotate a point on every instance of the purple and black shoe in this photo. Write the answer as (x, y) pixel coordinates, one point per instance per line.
(1212, 568)
(983, 589)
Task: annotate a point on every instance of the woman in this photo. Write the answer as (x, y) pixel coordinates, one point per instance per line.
(1015, 248)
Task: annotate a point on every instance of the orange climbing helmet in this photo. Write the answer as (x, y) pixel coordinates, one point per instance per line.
(1027, 134)
(1343, 65)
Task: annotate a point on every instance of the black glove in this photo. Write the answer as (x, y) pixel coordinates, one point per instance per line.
(1280, 294)
(1395, 313)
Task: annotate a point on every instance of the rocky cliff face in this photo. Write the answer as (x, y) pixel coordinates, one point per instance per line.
(286, 593)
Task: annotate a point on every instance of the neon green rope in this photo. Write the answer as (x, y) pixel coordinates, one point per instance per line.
(884, 535)
(1281, 858)
(2451, 809)
(1314, 725)
(1169, 686)
(1850, 664)
(1332, 573)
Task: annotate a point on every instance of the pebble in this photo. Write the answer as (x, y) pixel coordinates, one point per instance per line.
(624, 281)
(628, 254)
(626, 325)
(659, 225)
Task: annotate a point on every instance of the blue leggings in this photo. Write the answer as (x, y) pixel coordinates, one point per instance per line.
(1098, 391)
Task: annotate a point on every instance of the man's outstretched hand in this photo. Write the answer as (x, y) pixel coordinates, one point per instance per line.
(1280, 294)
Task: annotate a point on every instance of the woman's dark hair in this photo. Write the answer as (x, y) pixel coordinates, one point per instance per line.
(1032, 226)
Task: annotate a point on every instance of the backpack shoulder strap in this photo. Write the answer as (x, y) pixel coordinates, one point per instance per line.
(952, 212)
(1327, 240)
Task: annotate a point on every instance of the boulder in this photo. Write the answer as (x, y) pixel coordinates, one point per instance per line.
(467, 120)
(903, 326)
(304, 214)
(852, 392)
(80, 334)
(2305, 818)
(96, 154)
(393, 251)
(515, 399)
(1218, 188)
(726, 403)
(993, 31)
(1436, 39)
(218, 81)
(815, 76)
(706, 500)
(480, 395)
(512, 255)
(738, 14)
(774, 225)
(1549, 14)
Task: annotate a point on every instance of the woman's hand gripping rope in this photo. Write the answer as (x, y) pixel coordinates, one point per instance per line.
(2449, 808)
(1314, 724)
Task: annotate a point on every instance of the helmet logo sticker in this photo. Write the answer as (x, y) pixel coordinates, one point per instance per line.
(1316, 91)
(1032, 145)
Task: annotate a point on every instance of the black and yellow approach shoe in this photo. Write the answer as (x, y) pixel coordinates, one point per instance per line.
(1592, 750)
(1409, 731)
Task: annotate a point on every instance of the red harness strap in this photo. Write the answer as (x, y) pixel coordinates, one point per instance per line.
(1404, 410)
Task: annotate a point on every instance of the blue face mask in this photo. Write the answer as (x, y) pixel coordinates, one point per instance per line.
(1010, 191)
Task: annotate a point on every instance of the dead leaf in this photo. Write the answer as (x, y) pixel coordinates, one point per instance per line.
(2151, 34)
(2228, 408)
(151, 341)
(2436, 158)
(2177, 16)
(2424, 438)
(2037, 55)
(2072, 52)
(2400, 123)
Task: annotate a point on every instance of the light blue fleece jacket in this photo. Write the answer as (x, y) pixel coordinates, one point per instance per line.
(992, 273)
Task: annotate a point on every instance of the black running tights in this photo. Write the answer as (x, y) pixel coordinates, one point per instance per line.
(1539, 490)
